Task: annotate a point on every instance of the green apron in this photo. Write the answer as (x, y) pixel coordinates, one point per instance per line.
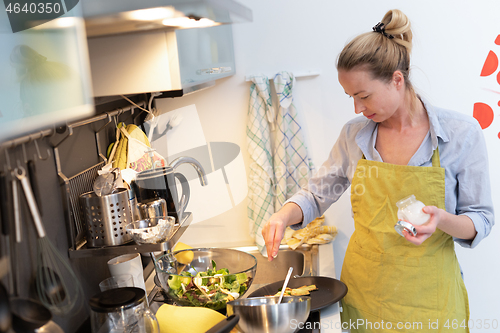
(394, 285)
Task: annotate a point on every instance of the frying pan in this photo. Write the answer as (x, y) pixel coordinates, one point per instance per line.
(28, 314)
(329, 290)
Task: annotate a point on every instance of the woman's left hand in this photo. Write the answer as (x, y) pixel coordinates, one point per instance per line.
(425, 230)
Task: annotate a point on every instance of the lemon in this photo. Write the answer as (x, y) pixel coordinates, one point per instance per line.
(184, 257)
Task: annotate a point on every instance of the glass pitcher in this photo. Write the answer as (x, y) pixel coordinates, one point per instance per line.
(122, 310)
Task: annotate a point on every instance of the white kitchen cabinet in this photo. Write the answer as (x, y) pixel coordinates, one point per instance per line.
(134, 63)
(175, 61)
(205, 54)
(45, 78)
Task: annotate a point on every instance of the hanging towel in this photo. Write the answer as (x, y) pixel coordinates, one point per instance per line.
(292, 166)
(261, 117)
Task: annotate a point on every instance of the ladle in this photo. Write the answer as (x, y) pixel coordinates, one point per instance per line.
(285, 284)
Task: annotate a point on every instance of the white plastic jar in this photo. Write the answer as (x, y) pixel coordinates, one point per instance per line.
(410, 209)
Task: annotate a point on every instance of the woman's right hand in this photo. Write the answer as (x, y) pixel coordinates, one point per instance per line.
(273, 232)
(274, 229)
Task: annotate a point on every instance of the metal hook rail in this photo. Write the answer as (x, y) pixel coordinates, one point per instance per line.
(49, 132)
(74, 230)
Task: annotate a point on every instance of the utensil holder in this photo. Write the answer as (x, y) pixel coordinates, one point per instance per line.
(106, 218)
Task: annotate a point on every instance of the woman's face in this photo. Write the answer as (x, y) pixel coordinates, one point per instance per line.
(376, 99)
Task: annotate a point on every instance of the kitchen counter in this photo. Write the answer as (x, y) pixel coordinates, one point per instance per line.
(329, 317)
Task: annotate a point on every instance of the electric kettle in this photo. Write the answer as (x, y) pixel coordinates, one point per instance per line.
(160, 183)
(122, 310)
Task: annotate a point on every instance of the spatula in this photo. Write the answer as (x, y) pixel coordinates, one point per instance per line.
(285, 284)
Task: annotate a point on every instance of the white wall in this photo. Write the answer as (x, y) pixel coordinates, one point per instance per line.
(450, 45)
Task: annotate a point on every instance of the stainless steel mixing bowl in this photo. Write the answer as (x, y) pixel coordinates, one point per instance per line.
(265, 315)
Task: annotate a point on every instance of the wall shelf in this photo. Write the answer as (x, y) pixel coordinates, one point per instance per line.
(85, 251)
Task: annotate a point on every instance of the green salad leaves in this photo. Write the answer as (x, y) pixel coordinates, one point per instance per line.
(212, 288)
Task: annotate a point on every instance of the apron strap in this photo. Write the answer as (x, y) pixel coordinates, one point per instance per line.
(435, 158)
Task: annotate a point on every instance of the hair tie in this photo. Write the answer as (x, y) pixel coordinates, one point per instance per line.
(380, 27)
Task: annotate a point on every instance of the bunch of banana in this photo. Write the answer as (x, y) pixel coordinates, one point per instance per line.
(314, 233)
(120, 155)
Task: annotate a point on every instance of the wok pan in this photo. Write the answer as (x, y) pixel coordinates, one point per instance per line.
(329, 290)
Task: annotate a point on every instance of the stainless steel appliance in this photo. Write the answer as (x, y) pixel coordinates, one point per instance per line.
(160, 184)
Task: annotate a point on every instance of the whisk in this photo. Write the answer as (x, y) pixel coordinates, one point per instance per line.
(57, 286)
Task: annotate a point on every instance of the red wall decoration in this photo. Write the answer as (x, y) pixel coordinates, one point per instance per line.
(483, 112)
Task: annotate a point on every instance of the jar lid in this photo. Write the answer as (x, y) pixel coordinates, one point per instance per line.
(117, 299)
(402, 225)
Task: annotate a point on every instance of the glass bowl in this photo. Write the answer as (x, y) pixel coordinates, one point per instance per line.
(205, 277)
(152, 230)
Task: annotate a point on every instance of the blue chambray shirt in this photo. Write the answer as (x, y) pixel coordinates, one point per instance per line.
(462, 152)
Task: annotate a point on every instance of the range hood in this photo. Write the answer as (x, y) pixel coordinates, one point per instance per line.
(113, 17)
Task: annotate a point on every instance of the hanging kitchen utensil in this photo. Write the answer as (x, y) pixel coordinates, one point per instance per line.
(16, 204)
(34, 184)
(4, 207)
(17, 233)
(6, 216)
(54, 288)
(285, 284)
(49, 256)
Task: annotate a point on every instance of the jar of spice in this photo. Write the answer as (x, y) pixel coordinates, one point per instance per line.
(410, 210)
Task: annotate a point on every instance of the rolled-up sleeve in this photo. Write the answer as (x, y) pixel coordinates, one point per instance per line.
(473, 188)
(327, 185)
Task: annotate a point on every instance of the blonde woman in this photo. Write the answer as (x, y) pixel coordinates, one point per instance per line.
(402, 146)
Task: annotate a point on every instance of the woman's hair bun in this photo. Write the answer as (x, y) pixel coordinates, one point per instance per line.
(397, 24)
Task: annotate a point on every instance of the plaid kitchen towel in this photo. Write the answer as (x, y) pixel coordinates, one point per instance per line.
(260, 120)
(292, 166)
